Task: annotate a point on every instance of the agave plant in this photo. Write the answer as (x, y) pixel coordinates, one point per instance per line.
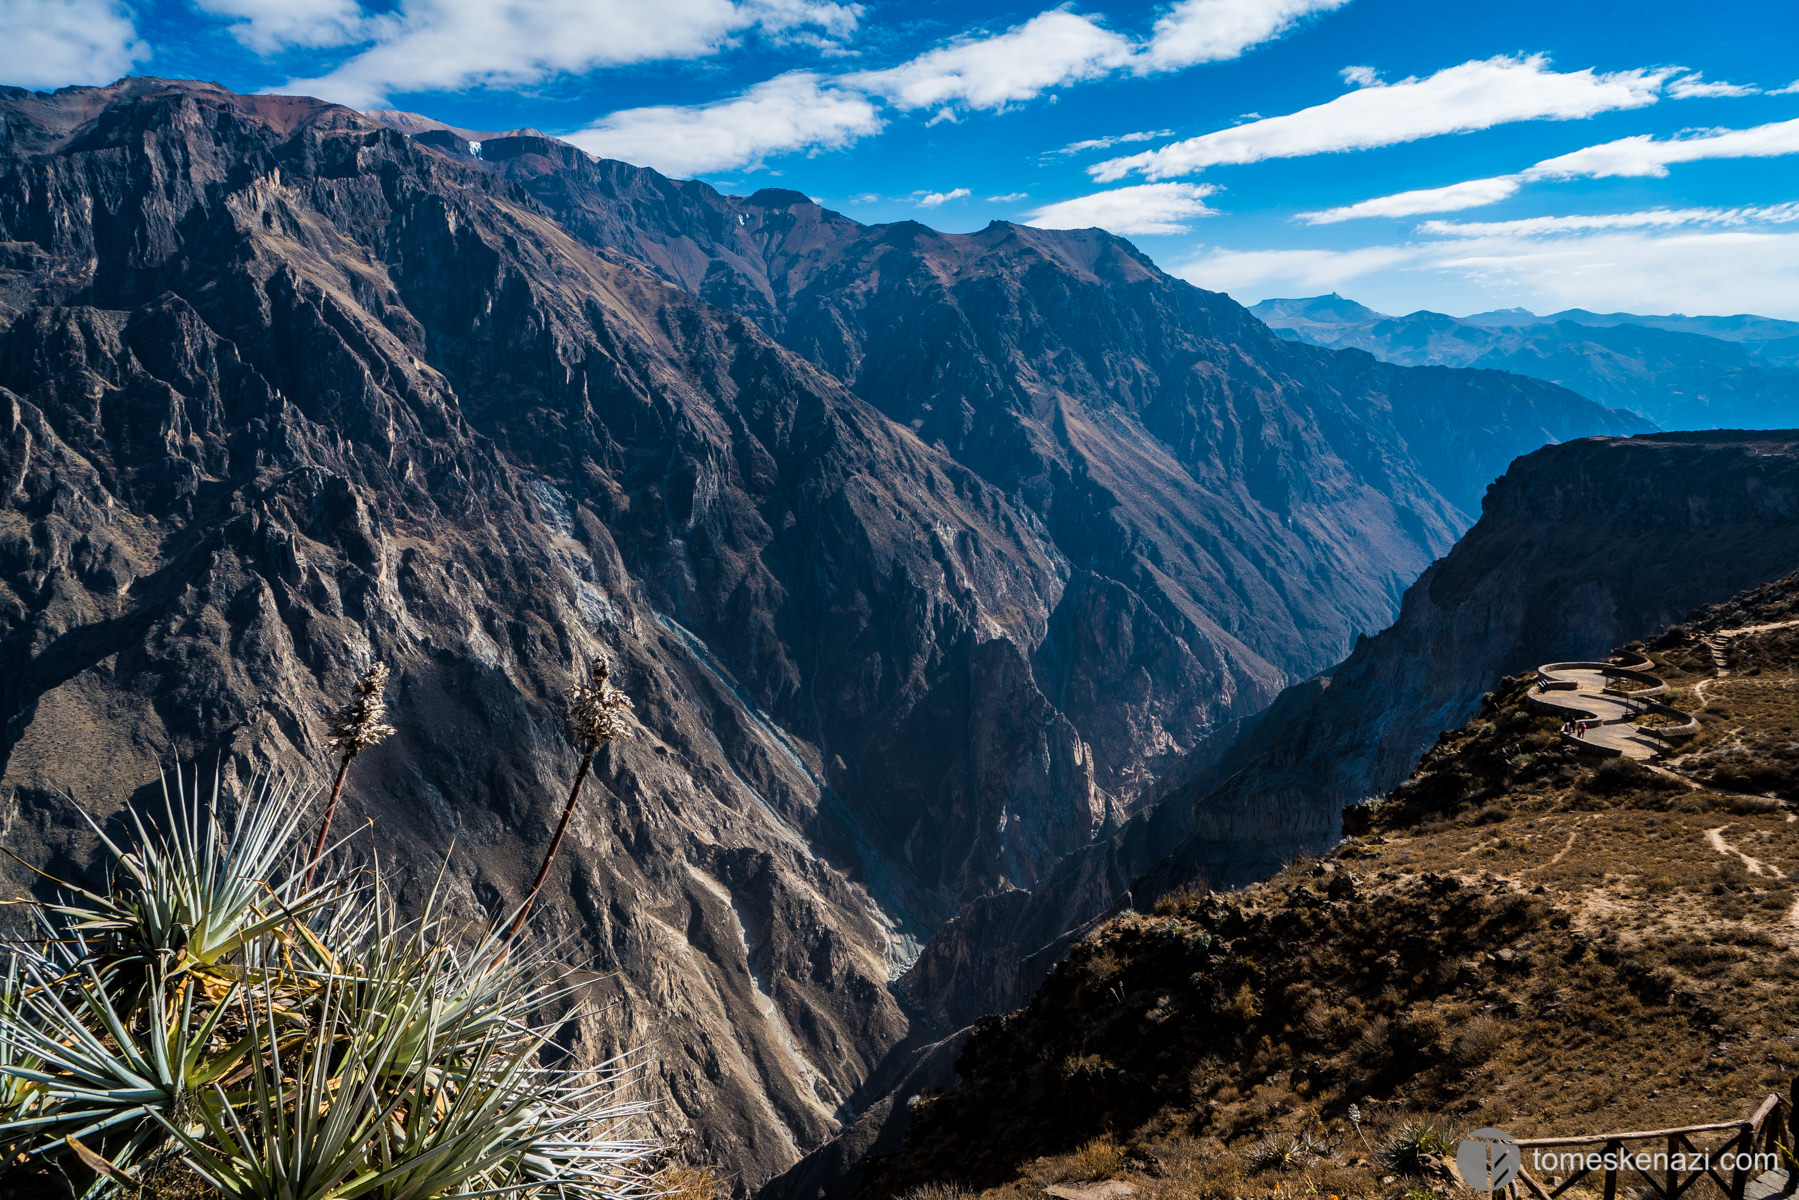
(194, 891)
(212, 1014)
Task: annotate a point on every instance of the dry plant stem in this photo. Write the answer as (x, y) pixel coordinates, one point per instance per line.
(568, 811)
(318, 847)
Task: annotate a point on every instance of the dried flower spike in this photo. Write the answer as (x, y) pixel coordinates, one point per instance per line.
(361, 723)
(597, 711)
(354, 728)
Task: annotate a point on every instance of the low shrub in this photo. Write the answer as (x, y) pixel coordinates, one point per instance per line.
(1406, 1148)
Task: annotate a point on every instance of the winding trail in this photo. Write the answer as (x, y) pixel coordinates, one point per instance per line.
(1755, 865)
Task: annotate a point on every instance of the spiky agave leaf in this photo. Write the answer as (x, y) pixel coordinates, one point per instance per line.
(303, 1124)
(101, 1070)
(21, 1098)
(193, 890)
(472, 988)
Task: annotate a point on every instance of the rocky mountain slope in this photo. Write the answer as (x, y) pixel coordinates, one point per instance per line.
(921, 573)
(1526, 936)
(1680, 372)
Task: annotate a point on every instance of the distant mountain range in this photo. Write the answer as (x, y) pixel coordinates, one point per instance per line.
(1681, 372)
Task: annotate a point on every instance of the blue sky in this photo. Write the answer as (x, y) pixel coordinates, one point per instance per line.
(1639, 155)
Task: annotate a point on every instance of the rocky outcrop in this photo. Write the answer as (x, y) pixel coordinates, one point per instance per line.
(923, 557)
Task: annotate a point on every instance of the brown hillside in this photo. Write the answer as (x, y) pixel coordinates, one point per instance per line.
(1525, 937)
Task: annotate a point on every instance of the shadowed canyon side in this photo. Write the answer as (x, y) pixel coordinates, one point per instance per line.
(921, 574)
(1579, 548)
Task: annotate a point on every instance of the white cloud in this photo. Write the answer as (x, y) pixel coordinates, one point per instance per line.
(53, 43)
(933, 199)
(1009, 198)
(1473, 193)
(267, 26)
(450, 45)
(1655, 218)
(1644, 155)
(1198, 31)
(1106, 143)
(1628, 262)
(1473, 95)
(440, 45)
(1360, 76)
(1145, 208)
(1257, 274)
(1048, 51)
(791, 112)
(1694, 86)
(1789, 90)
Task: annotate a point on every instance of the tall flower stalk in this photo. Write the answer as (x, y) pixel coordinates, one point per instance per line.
(354, 728)
(597, 713)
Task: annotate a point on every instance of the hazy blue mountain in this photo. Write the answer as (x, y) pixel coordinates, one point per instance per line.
(1680, 372)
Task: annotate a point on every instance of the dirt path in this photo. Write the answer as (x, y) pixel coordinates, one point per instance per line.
(1573, 836)
(1756, 866)
(1717, 644)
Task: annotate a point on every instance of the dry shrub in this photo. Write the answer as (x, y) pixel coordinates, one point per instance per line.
(1098, 1159)
(937, 1191)
(682, 1182)
(1480, 1039)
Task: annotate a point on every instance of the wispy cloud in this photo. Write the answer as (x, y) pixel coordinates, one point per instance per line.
(268, 26)
(1143, 209)
(1644, 155)
(1473, 193)
(1655, 218)
(1639, 156)
(1106, 143)
(1009, 198)
(978, 70)
(790, 112)
(1050, 50)
(1695, 86)
(1201, 31)
(452, 45)
(51, 43)
(1473, 95)
(934, 199)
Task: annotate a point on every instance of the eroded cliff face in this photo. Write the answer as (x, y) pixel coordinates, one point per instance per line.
(910, 612)
(1235, 507)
